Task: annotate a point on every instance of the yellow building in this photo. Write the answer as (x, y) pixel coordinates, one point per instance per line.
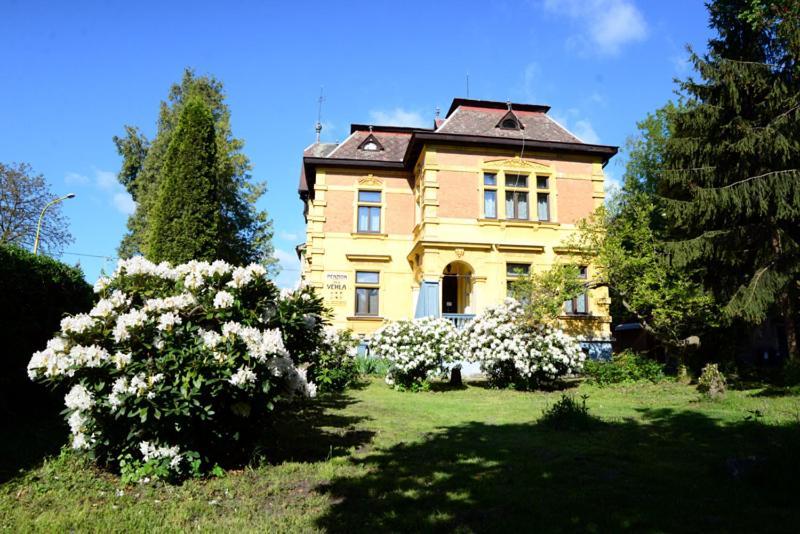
(409, 222)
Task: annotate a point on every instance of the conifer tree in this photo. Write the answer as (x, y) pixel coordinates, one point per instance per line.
(246, 230)
(185, 217)
(731, 182)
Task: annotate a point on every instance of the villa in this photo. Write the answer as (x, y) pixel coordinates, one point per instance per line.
(406, 222)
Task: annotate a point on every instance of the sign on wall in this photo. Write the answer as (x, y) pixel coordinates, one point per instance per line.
(336, 287)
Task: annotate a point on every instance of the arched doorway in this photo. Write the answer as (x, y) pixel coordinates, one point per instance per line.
(457, 289)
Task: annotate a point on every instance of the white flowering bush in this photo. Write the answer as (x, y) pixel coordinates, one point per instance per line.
(416, 350)
(333, 366)
(512, 352)
(174, 368)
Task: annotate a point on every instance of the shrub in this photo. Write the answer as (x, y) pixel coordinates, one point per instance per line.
(711, 382)
(627, 366)
(372, 366)
(514, 353)
(35, 293)
(416, 350)
(174, 369)
(568, 414)
(301, 316)
(334, 364)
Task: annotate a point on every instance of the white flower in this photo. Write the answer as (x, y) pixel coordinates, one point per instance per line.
(77, 324)
(175, 303)
(242, 276)
(77, 422)
(210, 338)
(79, 398)
(79, 441)
(101, 284)
(121, 359)
(166, 321)
(223, 299)
(243, 377)
(127, 322)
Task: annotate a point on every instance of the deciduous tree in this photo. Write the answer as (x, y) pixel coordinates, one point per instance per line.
(23, 194)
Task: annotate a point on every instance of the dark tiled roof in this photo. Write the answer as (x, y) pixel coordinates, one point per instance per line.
(394, 146)
(319, 150)
(467, 120)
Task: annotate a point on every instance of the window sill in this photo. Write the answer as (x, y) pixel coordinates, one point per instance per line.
(375, 318)
(583, 316)
(367, 235)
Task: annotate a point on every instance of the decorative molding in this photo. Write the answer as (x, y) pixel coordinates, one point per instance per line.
(370, 180)
(537, 249)
(518, 163)
(459, 252)
(369, 257)
(569, 250)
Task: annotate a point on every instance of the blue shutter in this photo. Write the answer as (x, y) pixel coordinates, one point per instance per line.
(428, 301)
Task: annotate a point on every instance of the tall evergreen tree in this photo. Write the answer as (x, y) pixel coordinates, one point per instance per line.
(185, 217)
(246, 232)
(731, 176)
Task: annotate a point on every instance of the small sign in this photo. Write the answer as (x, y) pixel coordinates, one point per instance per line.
(336, 287)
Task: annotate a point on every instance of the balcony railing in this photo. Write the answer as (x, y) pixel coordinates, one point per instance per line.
(459, 320)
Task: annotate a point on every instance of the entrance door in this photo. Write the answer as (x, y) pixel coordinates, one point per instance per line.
(449, 294)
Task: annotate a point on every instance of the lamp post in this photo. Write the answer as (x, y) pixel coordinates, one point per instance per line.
(41, 216)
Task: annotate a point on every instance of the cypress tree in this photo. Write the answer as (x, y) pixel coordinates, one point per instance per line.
(185, 219)
(731, 186)
(246, 234)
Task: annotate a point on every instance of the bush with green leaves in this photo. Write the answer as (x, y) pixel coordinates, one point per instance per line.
(35, 293)
(301, 316)
(712, 383)
(625, 367)
(568, 414)
(417, 350)
(174, 369)
(513, 352)
(333, 367)
(368, 365)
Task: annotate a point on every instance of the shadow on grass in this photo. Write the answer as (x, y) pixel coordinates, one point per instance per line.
(677, 471)
(25, 443)
(562, 385)
(313, 433)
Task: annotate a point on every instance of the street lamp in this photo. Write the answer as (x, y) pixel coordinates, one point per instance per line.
(41, 216)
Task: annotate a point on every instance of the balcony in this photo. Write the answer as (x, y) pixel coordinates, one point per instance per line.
(459, 320)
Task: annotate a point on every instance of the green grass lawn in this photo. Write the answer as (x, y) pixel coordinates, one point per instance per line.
(655, 458)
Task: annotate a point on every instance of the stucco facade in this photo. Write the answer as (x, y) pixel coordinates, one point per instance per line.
(435, 227)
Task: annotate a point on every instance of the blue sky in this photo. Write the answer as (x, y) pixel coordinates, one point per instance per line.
(75, 72)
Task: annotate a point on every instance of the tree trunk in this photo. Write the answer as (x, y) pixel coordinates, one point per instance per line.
(789, 312)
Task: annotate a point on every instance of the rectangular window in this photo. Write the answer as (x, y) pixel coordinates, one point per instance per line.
(517, 205)
(543, 206)
(490, 204)
(513, 272)
(369, 196)
(489, 195)
(580, 304)
(369, 212)
(367, 293)
(541, 182)
(516, 180)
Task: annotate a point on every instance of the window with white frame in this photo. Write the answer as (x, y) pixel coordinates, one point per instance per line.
(367, 290)
(369, 212)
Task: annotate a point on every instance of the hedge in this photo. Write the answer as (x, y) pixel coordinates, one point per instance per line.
(35, 293)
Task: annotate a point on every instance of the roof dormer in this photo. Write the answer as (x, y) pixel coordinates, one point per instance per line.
(371, 144)
(509, 121)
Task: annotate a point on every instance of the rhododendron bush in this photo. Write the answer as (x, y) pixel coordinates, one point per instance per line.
(416, 350)
(174, 368)
(513, 352)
